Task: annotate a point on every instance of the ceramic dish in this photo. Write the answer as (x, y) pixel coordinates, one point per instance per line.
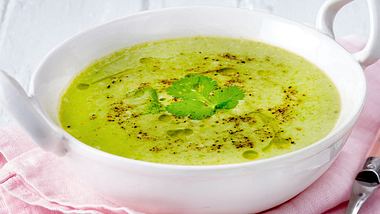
(158, 188)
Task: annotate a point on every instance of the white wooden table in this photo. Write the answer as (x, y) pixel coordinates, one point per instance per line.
(30, 28)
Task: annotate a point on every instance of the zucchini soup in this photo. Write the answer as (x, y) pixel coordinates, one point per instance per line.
(200, 101)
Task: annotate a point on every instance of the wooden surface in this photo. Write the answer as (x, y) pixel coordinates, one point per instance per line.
(30, 28)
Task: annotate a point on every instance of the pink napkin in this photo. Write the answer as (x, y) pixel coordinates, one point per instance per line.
(34, 181)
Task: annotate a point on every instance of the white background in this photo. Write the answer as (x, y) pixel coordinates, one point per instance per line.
(30, 28)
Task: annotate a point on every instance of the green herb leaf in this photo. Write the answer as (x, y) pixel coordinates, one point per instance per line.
(147, 97)
(201, 97)
(227, 98)
(192, 87)
(192, 108)
(154, 106)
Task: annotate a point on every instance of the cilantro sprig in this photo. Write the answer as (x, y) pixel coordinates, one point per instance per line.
(201, 97)
(146, 97)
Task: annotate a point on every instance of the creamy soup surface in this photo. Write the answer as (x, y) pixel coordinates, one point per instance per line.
(200, 101)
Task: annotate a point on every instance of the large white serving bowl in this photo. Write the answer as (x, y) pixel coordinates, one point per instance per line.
(160, 188)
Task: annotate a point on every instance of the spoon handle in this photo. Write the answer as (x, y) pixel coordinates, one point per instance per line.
(358, 197)
(367, 180)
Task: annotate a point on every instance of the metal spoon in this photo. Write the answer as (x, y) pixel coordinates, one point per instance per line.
(367, 180)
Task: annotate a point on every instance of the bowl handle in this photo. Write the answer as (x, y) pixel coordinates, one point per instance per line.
(24, 109)
(325, 20)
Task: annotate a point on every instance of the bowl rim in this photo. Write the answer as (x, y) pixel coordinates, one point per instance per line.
(312, 149)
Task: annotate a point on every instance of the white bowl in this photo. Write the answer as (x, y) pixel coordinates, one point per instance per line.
(160, 188)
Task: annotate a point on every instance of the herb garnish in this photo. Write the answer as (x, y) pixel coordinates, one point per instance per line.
(201, 97)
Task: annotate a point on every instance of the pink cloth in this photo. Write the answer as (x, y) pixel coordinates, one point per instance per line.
(33, 181)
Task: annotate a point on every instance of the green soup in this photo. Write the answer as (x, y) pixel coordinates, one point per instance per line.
(200, 101)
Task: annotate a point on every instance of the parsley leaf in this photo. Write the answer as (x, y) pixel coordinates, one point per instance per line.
(146, 98)
(201, 97)
(154, 106)
(227, 98)
(192, 87)
(192, 108)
